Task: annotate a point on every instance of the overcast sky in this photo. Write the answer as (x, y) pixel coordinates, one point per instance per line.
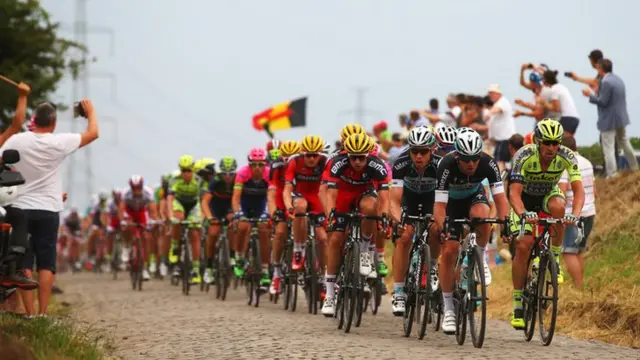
(190, 74)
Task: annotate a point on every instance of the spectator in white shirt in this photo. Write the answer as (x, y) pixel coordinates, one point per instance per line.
(573, 250)
(501, 125)
(562, 102)
(41, 197)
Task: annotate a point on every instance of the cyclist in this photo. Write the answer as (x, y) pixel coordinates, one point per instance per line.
(183, 204)
(360, 181)
(137, 203)
(115, 215)
(69, 237)
(445, 135)
(413, 184)
(460, 194)
(533, 187)
(249, 201)
(277, 208)
(300, 195)
(100, 220)
(160, 195)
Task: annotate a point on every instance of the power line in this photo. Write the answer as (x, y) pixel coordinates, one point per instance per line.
(359, 110)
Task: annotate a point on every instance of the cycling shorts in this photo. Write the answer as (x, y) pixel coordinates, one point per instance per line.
(538, 204)
(346, 202)
(314, 206)
(460, 208)
(220, 208)
(191, 212)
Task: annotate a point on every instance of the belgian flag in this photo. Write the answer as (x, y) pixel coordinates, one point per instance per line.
(282, 116)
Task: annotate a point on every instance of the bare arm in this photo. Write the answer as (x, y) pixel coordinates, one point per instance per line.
(271, 201)
(91, 133)
(515, 198)
(286, 196)
(206, 209)
(235, 200)
(19, 116)
(578, 197)
(383, 202)
(396, 203)
(332, 195)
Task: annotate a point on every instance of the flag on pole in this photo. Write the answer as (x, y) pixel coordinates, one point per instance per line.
(282, 116)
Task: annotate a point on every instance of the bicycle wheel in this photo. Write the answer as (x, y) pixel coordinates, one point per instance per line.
(351, 272)
(477, 299)
(530, 302)
(410, 294)
(224, 267)
(140, 263)
(547, 296)
(340, 313)
(460, 301)
(436, 310)
(185, 268)
(311, 270)
(257, 269)
(376, 296)
(116, 257)
(424, 291)
(285, 266)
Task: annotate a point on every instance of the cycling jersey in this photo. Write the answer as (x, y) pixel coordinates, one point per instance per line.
(527, 169)
(254, 192)
(418, 186)
(221, 193)
(186, 193)
(72, 223)
(306, 182)
(136, 206)
(277, 181)
(453, 183)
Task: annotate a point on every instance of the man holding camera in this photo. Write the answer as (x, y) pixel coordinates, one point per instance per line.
(41, 157)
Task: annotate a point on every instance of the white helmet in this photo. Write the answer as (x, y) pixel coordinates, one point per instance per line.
(468, 142)
(421, 136)
(326, 147)
(446, 135)
(8, 195)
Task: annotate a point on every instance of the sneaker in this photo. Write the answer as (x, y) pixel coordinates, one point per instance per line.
(435, 282)
(449, 322)
(398, 304)
(164, 270)
(125, 256)
(517, 319)
(365, 264)
(487, 272)
(265, 281)
(238, 270)
(297, 263)
(195, 277)
(560, 275)
(329, 306)
(19, 280)
(145, 275)
(173, 256)
(275, 286)
(383, 270)
(105, 267)
(367, 288)
(208, 276)
(176, 271)
(153, 267)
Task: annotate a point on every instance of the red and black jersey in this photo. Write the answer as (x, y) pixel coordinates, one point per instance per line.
(276, 180)
(326, 174)
(343, 176)
(306, 180)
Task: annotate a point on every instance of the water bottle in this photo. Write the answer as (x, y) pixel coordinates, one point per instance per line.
(463, 272)
(414, 261)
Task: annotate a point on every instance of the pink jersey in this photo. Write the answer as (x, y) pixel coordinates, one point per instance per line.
(244, 181)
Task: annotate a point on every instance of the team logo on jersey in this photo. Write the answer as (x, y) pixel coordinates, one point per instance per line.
(338, 165)
(379, 167)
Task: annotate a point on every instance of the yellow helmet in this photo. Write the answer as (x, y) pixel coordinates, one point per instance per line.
(357, 144)
(289, 148)
(312, 144)
(198, 165)
(351, 129)
(549, 130)
(186, 162)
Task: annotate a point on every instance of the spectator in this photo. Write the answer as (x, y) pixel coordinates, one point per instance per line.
(594, 56)
(18, 244)
(572, 249)
(516, 141)
(41, 156)
(451, 116)
(613, 117)
(542, 94)
(417, 119)
(434, 116)
(501, 125)
(561, 101)
(472, 116)
(397, 147)
(382, 134)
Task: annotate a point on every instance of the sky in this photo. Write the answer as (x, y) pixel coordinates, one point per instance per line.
(190, 74)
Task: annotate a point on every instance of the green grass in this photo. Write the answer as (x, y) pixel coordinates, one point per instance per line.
(48, 338)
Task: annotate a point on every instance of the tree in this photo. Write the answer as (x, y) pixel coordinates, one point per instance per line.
(32, 52)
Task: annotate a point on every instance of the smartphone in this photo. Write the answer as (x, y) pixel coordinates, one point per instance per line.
(530, 66)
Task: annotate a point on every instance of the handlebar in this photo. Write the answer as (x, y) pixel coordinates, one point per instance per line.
(547, 222)
(475, 221)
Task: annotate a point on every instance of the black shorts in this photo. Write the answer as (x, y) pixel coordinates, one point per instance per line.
(341, 221)
(459, 209)
(96, 219)
(501, 152)
(220, 208)
(411, 201)
(43, 228)
(570, 124)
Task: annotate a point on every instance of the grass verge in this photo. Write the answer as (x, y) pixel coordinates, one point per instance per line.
(48, 338)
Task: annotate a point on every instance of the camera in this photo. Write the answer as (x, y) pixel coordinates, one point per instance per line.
(568, 74)
(78, 110)
(530, 66)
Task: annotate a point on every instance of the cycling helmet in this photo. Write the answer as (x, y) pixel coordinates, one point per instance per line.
(351, 129)
(273, 144)
(198, 166)
(462, 130)
(376, 150)
(186, 162)
(102, 195)
(549, 130)
(326, 147)
(116, 193)
(446, 135)
(257, 154)
(207, 165)
(289, 148)
(136, 181)
(312, 144)
(357, 144)
(421, 136)
(468, 143)
(275, 154)
(228, 165)
(380, 126)
(373, 146)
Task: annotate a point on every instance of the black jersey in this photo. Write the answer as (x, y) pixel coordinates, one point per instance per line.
(452, 182)
(407, 176)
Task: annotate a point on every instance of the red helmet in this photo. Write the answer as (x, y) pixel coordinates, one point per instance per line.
(273, 144)
(380, 126)
(136, 181)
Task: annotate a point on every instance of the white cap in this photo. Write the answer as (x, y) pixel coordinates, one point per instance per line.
(494, 88)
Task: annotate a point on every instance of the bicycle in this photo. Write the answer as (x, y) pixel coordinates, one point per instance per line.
(253, 272)
(222, 265)
(185, 257)
(203, 257)
(537, 284)
(116, 257)
(470, 292)
(349, 282)
(289, 277)
(417, 283)
(136, 265)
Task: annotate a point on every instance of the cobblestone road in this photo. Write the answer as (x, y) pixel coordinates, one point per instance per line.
(161, 323)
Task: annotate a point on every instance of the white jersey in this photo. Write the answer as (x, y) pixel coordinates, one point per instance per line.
(137, 203)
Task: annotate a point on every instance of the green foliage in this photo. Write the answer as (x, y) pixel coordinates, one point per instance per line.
(593, 152)
(32, 52)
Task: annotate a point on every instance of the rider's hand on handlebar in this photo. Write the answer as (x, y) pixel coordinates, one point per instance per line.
(570, 219)
(530, 217)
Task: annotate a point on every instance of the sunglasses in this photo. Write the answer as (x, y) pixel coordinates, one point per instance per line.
(470, 158)
(357, 157)
(550, 143)
(420, 151)
(257, 164)
(311, 155)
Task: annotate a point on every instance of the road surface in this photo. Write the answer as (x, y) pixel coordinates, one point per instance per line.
(161, 323)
